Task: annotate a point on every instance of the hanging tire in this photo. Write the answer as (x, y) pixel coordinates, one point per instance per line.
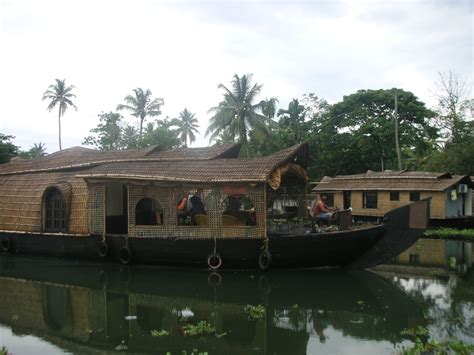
(6, 244)
(103, 249)
(214, 261)
(125, 255)
(214, 279)
(264, 260)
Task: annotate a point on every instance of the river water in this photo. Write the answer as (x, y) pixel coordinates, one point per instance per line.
(50, 306)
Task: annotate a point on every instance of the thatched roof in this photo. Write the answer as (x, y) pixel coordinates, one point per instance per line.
(393, 181)
(80, 157)
(264, 169)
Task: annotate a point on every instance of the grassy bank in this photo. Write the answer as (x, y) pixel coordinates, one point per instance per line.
(450, 233)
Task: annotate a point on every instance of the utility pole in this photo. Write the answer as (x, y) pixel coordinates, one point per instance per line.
(397, 145)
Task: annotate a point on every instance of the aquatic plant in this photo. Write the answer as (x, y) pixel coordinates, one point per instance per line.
(3, 351)
(415, 332)
(436, 347)
(201, 328)
(447, 233)
(159, 333)
(122, 346)
(255, 312)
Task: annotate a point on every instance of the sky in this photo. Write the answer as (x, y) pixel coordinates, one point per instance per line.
(182, 51)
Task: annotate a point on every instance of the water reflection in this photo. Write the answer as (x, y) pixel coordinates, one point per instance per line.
(82, 308)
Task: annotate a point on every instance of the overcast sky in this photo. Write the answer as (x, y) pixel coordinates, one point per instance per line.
(181, 51)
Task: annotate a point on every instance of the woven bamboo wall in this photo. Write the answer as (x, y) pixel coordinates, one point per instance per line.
(167, 198)
(22, 197)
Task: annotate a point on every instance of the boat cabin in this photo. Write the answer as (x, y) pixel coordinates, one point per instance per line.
(374, 193)
(182, 193)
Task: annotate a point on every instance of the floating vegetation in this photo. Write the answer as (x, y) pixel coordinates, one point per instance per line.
(201, 328)
(159, 333)
(122, 346)
(435, 347)
(255, 312)
(3, 351)
(415, 332)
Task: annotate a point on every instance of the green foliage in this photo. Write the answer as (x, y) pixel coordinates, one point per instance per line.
(3, 351)
(122, 346)
(159, 333)
(415, 332)
(108, 133)
(237, 113)
(187, 126)
(447, 233)
(202, 328)
(60, 94)
(141, 105)
(436, 347)
(7, 148)
(255, 312)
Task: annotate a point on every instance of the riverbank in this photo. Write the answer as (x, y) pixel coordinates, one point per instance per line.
(450, 233)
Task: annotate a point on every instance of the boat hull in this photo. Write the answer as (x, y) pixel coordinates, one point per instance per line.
(312, 250)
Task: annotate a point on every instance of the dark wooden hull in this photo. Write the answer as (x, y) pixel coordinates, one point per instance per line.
(360, 248)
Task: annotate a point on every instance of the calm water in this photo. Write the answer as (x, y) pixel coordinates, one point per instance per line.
(56, 307)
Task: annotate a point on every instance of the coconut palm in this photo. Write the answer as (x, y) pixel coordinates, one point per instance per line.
(38, 150)
(187, 126)
(269, 107)
(60, 94)
(141, 105)
(237, 112)
(293, 118)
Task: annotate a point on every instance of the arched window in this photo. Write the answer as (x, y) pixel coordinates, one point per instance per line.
(148, 212)
(55, 212)
(238, 210)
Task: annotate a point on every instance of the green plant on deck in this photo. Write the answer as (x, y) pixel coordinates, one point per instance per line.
(255, 312)
(159, 333)
(201, 328)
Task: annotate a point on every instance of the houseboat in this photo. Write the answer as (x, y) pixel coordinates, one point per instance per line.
(190, 206)
(373, 194)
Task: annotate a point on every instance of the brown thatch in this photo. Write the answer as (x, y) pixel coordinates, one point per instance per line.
(80, 158)
(392, 181)
(23, 184)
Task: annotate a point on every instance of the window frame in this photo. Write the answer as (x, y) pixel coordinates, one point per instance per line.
(415, 193)
(367, 194)
(155, 206)
(394, 195)
(55, 218)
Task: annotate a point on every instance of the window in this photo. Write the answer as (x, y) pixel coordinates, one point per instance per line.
(369, 199)
(191, 208)
(329, 199)
(414, 196)
(55, 212)
(148, 212)
(394, 196)
(414, 259)
(238, 210)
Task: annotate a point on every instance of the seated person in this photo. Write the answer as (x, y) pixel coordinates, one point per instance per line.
(182, 210)
(322, 211)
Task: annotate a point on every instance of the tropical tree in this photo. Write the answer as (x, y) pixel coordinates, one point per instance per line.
(187, 126)
(237, 112)
(269, 107)
(293, 119)
(108, 133)
(7, 148)
(38, 150)
(141, 105)
(60, 94)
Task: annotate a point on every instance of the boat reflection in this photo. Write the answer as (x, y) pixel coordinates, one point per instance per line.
(81, 307)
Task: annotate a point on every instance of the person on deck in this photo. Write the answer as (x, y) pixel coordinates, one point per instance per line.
(322, 211)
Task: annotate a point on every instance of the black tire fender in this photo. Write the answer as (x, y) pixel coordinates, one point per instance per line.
(125, 255)
(264, 260)
(214, 261)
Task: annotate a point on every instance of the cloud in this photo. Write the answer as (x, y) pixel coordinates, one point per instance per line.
(182, 50)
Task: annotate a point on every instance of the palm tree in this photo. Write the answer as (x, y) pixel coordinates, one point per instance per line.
(187, 126)
(60, 94)
(38, 150)
(237, 112)
(293, 118)
(269, 107)
(141, 105)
